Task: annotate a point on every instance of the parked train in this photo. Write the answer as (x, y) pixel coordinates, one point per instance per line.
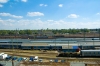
(36, 46)
(48, 45)
(67, 49)
(90, 53)
(81, 53)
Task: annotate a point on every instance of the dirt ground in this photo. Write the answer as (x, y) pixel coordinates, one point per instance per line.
(28, 53)
(46, 55)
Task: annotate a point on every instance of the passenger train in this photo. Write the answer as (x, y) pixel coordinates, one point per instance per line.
(72, 48)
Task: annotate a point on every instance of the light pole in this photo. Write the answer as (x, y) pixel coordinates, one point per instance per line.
(99, 33)
(55, 43)
(84, 34)
(12, 52)
(68, 44)
(94, 38)
(68, 48)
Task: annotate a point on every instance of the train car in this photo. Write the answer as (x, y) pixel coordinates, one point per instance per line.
(10, 45)
(26, 47)
(87, 47)
(41, 47)
(55, 47)
(90, 53)
(95, 38)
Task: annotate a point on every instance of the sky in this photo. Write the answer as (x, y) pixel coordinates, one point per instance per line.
(51, 14)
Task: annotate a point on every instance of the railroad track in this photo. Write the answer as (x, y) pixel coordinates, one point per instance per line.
(28, 53)
(44, 55)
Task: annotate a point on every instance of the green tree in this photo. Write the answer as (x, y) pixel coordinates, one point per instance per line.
(21, 32)
(11, 32)
(28, 32)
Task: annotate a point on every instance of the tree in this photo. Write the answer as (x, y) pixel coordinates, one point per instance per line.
(11, 32)
(28, 32)
(21, 32)
(3, 32)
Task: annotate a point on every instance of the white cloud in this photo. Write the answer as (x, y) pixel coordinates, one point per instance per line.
(50, 20)
(24, 0)
(60, 5)
(39, 24)
(98, 14)
(86, 18)
(35, 14)
(3, 1)
(1, 5)
(43, 5)
(8, 23)
(10, 15)
(73, 16)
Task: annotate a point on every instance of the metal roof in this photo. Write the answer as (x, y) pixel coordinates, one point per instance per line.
(34, 44)
(90, 50)
(8, 63)
(52, 41)
(63, 44)
(10, 44)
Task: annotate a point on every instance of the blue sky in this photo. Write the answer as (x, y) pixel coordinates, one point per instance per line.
(52, 14)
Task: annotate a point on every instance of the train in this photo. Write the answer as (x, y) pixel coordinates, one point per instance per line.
(36, 46)
(72, 49)
(90, 53)
(82, 53)
(46, 45)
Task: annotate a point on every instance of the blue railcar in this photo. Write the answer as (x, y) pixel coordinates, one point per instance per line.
(68, 50)
(56, 47)
(10, 46)
(41, 47)
(26, 47)
(75, 47)
(86, 47)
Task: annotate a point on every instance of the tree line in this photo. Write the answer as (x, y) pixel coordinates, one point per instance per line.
(54, 31)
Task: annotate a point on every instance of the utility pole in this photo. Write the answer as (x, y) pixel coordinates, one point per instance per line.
(12, 52)
(12, 62)
(55, 43)
(99, 33)
(93, 39)
(68, 45)
(84, 34)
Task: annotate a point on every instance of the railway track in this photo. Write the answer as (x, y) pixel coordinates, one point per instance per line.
(28, 53)
(44, 55)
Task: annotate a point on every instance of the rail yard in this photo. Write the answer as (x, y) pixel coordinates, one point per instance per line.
(47, 56)
(69, 51)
